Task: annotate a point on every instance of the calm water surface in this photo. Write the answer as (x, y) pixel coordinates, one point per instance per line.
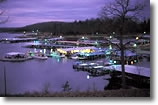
(34, 75)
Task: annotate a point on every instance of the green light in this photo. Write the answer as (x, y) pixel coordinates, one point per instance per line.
(135, 60)
(31, 54)
(110, 61)
(110, 37)
(108, 52)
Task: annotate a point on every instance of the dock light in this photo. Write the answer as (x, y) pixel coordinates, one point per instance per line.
(41, 51)
(135, 45)
(51, 50)
(144, 32)
(82, 37)
(60, 36)
(33, 31)
(110, 37)
(137, 38)
(113, 32)
(24, 32)
(88, 76)
(131, 62)
(44, 51)
(97, 33)
(110, 61)
(114, 61)
(108, 52)
(6, 39)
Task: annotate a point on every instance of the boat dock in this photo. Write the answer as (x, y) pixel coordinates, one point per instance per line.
(17, 40)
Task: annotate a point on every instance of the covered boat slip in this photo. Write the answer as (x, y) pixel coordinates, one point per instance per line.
(46, 46)
(77, 49)
(76, 43)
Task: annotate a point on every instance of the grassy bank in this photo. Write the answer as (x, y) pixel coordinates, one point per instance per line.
(106, 93)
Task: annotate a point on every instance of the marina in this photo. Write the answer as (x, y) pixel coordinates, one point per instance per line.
(91, 64)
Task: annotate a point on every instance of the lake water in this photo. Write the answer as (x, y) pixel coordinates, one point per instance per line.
(34, 75)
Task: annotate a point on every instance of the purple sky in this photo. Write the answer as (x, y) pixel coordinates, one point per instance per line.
(25, 12)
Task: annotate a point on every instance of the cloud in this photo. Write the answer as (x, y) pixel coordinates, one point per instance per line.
(24, 12)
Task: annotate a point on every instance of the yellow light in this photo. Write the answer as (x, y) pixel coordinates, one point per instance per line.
(131, 62)
(137, 38)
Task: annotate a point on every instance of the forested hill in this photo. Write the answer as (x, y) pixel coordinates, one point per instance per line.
(91, 26)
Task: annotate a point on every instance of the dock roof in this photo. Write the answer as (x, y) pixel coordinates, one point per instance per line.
(77, 48)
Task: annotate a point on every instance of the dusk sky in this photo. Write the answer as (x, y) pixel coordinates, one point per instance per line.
(25, 12)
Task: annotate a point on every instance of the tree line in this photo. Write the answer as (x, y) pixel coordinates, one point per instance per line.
(89, 26)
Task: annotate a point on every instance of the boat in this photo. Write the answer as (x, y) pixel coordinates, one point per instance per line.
(15, 57)
(37, 55)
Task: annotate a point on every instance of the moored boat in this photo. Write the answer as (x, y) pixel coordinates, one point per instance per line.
(37, 55)
(15, 57)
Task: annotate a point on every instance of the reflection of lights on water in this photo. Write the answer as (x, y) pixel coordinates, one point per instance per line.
(58, 60)
(64, 60)
(88, 76)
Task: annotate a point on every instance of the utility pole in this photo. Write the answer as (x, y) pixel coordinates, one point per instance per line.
(5, 82)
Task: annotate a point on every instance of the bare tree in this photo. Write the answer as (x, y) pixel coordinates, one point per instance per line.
(122, 10)
(2, 12)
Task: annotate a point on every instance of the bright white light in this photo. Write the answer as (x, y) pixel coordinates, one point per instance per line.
(51, 50)
(88, 76)
(44, 51)
(135, 45)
